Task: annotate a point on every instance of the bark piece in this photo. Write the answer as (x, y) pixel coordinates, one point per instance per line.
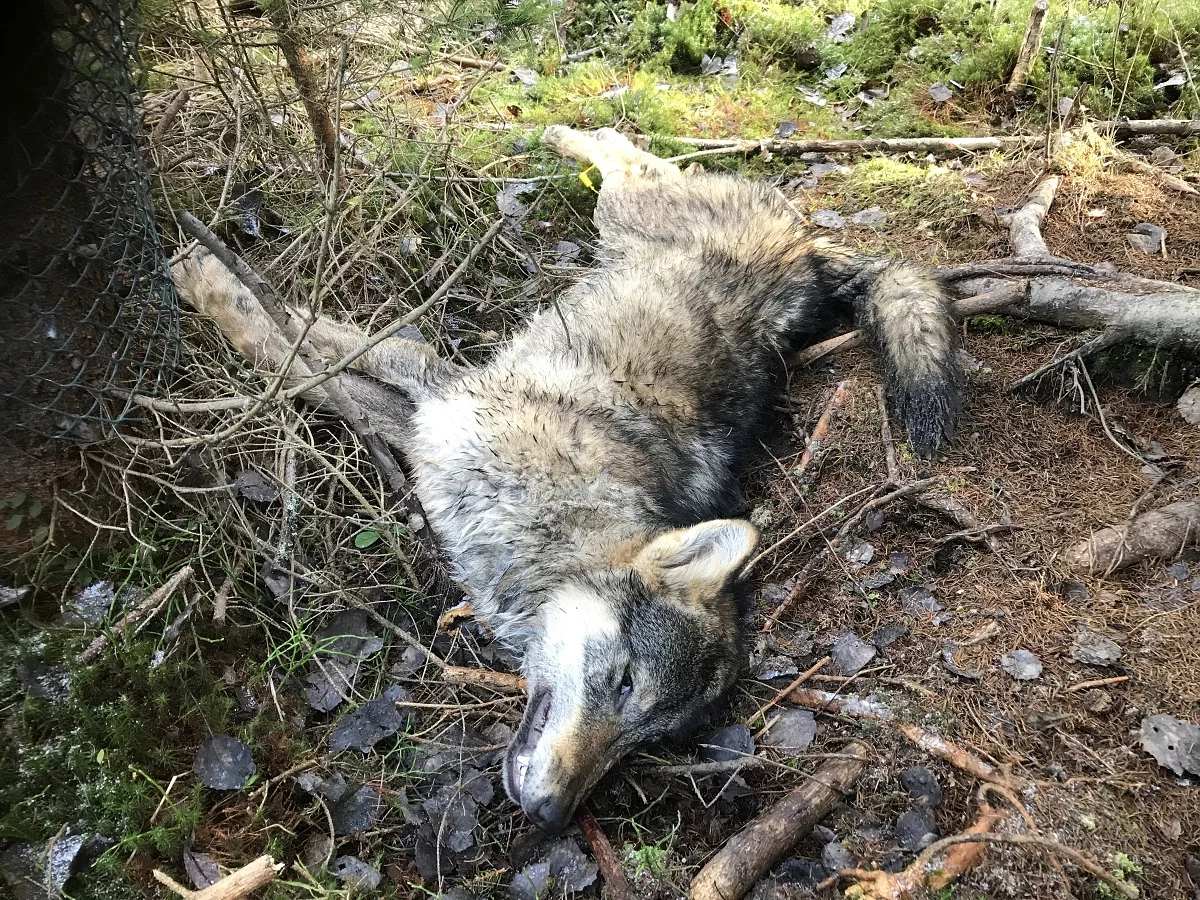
(757, 848)
(1159, 534)
(1030, 46)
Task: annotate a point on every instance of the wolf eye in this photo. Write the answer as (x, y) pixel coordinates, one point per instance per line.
(625, 690)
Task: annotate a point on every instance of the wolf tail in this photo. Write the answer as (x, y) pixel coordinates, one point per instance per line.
(905, 314)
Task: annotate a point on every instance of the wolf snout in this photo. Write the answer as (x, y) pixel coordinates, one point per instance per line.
(550, 814)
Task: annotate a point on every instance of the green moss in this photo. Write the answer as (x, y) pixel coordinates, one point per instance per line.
(935, 195)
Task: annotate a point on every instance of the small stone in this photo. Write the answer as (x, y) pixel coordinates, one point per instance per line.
(356, 875)
(1174, 743)
(892, 862)
(922, 785)
(828, 218)
(1056, 771)
(317, 849)
(1021, 665)
(1075, 592)
(256, 488)
(851, 653)
(1094, 649)
(1189, 405)
(1150, 239)
(793, 731)
(939, 93)
(915, 829)
(886, 635)
(727, 744)
(919, 601)
(871, 217)
(835, 857)
(776, 667)
(356, 813)
(224, 763)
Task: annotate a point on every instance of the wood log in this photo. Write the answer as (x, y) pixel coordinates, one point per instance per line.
(1159, 534)
(1031, 45)
(758, 847)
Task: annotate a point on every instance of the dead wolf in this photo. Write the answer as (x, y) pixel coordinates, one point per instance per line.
(582, 482)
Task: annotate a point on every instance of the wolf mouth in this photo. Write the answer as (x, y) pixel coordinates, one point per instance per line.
(524, 745)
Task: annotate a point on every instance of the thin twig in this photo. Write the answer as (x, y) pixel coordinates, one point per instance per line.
(152, 603)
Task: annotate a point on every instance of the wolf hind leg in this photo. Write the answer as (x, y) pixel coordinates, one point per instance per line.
(611, 152)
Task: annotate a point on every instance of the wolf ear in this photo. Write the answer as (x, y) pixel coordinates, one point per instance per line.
(704, 556)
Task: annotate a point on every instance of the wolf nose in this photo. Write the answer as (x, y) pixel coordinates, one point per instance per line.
(551, 815)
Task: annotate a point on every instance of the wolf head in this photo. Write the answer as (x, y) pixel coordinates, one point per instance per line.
(625, 657)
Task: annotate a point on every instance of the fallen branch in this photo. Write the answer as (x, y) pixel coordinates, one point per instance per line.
(1095, 683)
(972, 528)
(1001, 297)
(168, 117)
(756, 849)
(1025, 223)
(961, 759)
(935, 145)
(782, 695)
(501, 682)
(919, 879)
(820, 433)
(346, 391)
(233, 886)
(1159, 534)
(143, 610)
(850, 704)
(619, 887)
(854, 705)
(1031, 46)
(1124, 888)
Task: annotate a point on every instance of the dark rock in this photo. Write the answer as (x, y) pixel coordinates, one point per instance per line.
(371, 722)
(915, 829)
(793, 731)
(224, 763)
(922, 785)
(886, 635)
(851, 653)
(355, 813)
(726, 744)
(835, 857)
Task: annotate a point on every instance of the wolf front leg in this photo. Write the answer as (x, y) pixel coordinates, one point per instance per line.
(205, 284)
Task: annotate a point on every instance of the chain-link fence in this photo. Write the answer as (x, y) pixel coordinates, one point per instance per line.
(88, 314)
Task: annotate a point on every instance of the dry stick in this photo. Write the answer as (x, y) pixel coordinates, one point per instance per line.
(970, 306)
(135, 615)
(821, 432)
(177, 103)
(1095, 683)
(1030, 47)
(1174, 182)
(800, 679)
(918, 880)
(854, 705)
(946, 146)
(755, 850)
(403, 322)
(799, 530)
(606, 859)
(300, 65)
(233, 886)
(885, 434)
(502, 682)
(964, 518)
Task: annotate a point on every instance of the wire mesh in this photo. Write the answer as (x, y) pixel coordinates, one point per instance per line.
(88, 314)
